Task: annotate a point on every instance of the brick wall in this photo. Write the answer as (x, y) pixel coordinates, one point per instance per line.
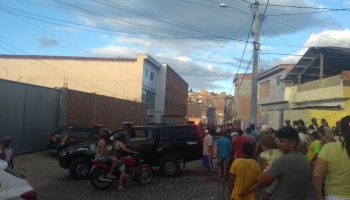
(87, 108)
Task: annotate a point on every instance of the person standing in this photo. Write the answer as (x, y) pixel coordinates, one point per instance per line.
(244, 172)
(207, 153)
(223, 154)
(314, 148)
(314, 124)
(334, 162)
(6, 151)
(292, 170)
(239, 142)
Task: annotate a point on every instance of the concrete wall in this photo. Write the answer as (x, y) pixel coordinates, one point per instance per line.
(276, 91)
(120, 78)
(88, 108)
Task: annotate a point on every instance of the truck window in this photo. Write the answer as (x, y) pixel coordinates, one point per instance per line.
(142, 135)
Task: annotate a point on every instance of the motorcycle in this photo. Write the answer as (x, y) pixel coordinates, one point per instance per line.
(134, 167)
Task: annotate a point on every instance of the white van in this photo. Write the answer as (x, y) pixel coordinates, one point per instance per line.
(13, 186)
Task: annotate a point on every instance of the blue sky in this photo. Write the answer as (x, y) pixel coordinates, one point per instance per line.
(203, 42)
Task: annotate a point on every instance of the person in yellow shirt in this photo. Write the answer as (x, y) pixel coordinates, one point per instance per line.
(334, 162)
(314, 148)
(243, 173)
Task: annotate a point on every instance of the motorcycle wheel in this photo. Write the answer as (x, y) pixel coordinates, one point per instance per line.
(96, 182)
(144, 176)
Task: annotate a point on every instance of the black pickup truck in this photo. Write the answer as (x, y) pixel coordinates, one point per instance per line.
(166, 146)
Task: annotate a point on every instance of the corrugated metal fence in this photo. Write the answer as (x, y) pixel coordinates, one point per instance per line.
(28, 114)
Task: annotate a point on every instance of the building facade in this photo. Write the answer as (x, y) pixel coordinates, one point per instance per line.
(242, 98)
(140, 79)
(176, 96)
(319, 86)
(271, 95)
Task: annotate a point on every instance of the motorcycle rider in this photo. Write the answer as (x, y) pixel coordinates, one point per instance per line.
(119, 149)
(102, 153)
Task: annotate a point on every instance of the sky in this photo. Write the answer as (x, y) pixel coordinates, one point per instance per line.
(201, 40)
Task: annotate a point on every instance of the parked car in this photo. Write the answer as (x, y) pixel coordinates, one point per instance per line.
(166, 146)
(13, 186)
(73, 134)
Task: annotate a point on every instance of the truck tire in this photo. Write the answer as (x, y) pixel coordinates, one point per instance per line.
(169, 166)
(80, 168)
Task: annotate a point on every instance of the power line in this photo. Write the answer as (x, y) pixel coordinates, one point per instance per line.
(300, 13)
(163, 20)
(307, 7)
(245, 1)
(245, 73)
(245, 47)
(307, 31)
(285, 42)
(110, 31)
(218, 8)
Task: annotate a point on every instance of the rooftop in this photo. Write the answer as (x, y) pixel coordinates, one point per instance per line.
(308, 68)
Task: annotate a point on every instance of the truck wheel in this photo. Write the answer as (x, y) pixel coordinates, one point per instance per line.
(169, 166)
(80, 168)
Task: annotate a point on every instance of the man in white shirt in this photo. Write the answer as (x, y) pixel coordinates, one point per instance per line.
(207, 153)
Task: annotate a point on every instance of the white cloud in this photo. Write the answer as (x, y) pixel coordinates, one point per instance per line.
(184, 59)
(114, 51)
(339, 38)
(336, 38)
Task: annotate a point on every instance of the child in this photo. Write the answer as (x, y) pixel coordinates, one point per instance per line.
(244, 172)
(269, 154)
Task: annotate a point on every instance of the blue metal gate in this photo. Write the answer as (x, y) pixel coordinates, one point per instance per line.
(28, 114)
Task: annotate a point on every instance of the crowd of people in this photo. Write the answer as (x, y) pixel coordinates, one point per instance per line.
(295, 162)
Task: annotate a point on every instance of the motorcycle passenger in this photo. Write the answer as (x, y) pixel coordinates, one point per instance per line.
(102, 153)
(119, 149)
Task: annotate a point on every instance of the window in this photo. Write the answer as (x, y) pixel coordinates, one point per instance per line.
(264, 89)
(149, 98)
(152, 76)
(141, 135)
(146, 72)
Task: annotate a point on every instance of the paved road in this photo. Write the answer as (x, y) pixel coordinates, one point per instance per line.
(52, 183)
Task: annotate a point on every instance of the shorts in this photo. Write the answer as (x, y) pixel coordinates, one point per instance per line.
(107, 159)
(207, 161)
(223, 162)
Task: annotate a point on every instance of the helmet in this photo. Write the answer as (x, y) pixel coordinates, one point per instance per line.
(104, 132)
(121, 136)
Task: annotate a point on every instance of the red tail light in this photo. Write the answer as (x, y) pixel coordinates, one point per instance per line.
(31, 195)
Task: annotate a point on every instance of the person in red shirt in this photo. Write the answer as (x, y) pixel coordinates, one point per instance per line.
(239, 143)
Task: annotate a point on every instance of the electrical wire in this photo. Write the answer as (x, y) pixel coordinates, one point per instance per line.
(163, 20)
(218, 8)
(245, 47)
(245, 73)
(283, 40)
(294, 27)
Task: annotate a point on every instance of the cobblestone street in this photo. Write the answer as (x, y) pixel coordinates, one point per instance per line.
(52, 183)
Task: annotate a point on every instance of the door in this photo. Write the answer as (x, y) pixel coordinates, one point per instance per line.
(3, 188)
(143, 140)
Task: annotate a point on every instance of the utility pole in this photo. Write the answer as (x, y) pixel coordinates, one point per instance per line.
(256, 46)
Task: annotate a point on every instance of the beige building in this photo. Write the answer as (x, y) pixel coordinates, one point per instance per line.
(140, 79)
